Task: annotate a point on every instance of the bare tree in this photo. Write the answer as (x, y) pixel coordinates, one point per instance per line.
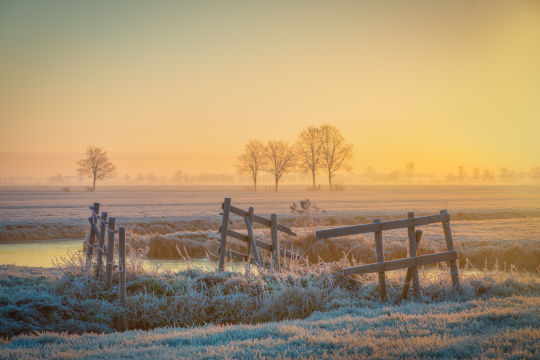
(96, 165)
(281, 159)
(409, 169)
(535, 173)
(336, 153)
(179, 176)
(252, 160)
(309, 150)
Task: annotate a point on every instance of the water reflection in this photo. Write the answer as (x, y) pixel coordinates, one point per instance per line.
(44, 253)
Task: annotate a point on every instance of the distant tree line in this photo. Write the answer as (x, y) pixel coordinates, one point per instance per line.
(503, 175)
(316, 149)
(462, 175)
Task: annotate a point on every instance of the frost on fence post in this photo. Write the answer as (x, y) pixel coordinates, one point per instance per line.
(380, 258)
(122, 263)
(412, 254)
(223, 230)
(94, 232)
(101, 244)
(407, 283)
(110, 252)
(450, 246)
(275, 242)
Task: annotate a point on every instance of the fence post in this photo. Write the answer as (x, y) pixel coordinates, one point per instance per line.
(252, 240)
(248, 247)
(101, 243)
(122, 263)
(275, 242)
(380, 259)
(412, 253)
(450, 246)
(223, 229)
(90, 243)
(110, 252)
(93, 232)
(409, 272)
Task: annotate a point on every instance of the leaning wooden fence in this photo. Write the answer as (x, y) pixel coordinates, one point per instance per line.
(107, 226)
(251, 254)
(412, 262)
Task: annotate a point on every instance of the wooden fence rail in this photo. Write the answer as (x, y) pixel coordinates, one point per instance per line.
(252, 243)
(413, 261)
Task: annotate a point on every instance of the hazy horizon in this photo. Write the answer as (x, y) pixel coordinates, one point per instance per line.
(159, 169)
(182, 86)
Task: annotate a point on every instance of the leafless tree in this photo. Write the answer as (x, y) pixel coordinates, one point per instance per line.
(336, 153)
(535, 173)
(281, 159)
(179, 176)
(309, 150)
(252, 160)
(409, 169)
(96, 165)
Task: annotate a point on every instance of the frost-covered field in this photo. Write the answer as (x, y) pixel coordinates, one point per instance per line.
(498, 316)
(496, 328)
(31, 213)
(490, 223)
(309, 309)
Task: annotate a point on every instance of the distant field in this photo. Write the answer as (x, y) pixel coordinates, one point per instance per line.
(490, 223)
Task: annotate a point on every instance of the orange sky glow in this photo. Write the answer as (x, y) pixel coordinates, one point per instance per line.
(184, 85)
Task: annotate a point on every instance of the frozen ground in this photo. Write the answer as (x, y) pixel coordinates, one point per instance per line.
(498, 316)
(491, 224)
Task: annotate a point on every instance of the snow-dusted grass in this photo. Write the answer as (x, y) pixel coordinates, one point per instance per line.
(252, 314)
(72, 299)
(491, 327)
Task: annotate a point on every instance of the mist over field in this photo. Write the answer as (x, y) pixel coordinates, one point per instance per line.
(491, 224)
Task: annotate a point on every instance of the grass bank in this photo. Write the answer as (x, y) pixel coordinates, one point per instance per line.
(71, 299)
(487, 327)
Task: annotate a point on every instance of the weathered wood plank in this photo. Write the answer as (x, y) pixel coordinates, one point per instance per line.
(94, 232)
(122, 264)
(402, 263)
(245, 238)
(110, 252)
(250, 216)
(407, 282)
(380, 259)
(252, 241)
(387, 225)
(275, 241)
(261, 220)
(101, 244)
(412, 254)
(450, 246)
(90, 243)
(224, 228)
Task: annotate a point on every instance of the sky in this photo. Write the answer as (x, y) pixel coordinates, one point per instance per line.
(172, 85)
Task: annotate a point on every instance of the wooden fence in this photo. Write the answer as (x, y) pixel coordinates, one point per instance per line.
(107, 226)
(412, 262)
(251, 254)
